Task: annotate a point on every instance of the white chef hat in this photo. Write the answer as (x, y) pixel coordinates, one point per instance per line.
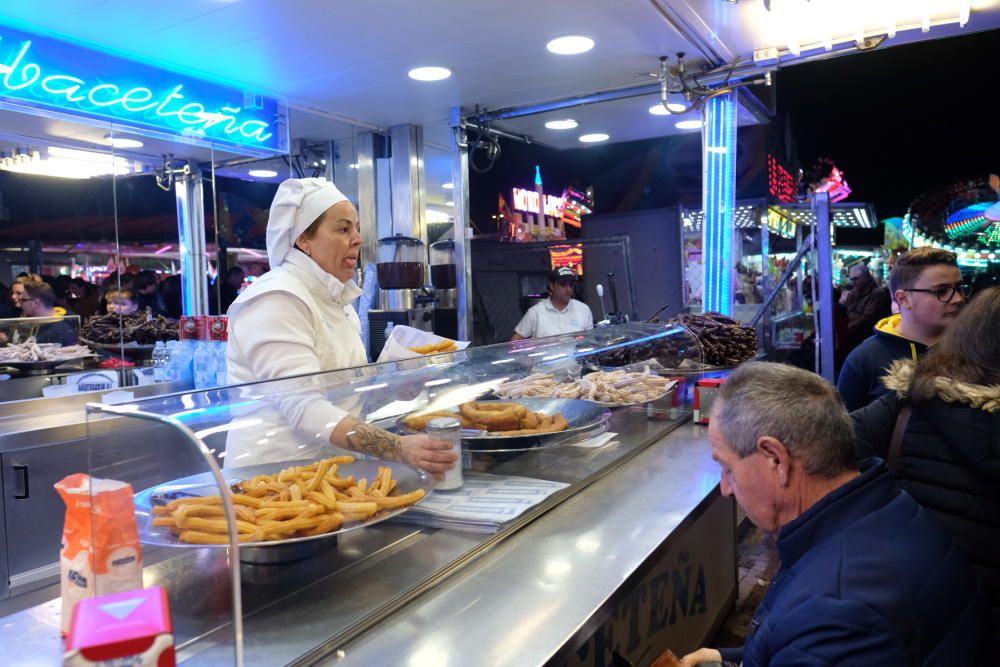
(297, 204)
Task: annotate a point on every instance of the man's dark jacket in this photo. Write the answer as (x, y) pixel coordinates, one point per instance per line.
(860, 380)
(868, 578)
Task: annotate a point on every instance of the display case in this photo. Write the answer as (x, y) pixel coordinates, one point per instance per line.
(789, 330)
(299, 597)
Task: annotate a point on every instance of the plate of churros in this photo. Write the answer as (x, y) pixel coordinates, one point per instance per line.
(296, 505)
(526, 423)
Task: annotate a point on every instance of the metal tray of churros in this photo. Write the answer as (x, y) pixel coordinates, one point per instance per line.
(582, 418)
(407, 478)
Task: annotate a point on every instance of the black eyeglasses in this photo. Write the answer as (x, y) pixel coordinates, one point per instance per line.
(946, 294)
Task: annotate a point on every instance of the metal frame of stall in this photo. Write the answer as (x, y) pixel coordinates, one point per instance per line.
(821, 216)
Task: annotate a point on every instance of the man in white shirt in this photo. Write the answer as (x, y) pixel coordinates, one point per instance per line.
(559, 314)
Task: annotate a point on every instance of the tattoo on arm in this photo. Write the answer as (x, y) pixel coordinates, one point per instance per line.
(368, 439)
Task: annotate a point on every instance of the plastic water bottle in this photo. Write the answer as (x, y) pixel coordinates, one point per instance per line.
(185, 367)
(159, 354)
(204, 365)
(388, 331)
(221, 377)
(169, 372)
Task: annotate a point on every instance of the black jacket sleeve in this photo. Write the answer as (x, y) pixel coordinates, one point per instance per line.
(853, 383)
(873, 426)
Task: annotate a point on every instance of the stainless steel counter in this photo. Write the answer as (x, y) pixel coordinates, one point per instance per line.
(394, 594)
(542, 592)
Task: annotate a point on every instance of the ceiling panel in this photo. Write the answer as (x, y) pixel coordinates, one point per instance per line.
(622, 120)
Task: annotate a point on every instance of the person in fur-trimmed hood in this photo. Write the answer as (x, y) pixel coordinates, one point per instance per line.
(947, 406)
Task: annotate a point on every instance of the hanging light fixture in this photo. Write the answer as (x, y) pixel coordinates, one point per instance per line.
(806, 25)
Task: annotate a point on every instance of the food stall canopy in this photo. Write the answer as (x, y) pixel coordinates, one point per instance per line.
(351, 58)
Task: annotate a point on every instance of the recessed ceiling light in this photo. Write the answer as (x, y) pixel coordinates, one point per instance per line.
(672, 107)
(429, 73)
(353, 165)
(594, 138)
(447, 186)
(262, 173)
(122, 142)
(449, 203)
(570, 45)
(565, 124)
(688, 125)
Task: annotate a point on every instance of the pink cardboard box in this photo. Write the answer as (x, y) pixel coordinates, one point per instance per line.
(134, 625)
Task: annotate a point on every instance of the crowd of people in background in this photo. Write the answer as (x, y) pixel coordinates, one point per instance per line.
(123, 293)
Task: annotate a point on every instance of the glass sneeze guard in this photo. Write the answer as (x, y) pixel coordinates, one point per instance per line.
(225, 610)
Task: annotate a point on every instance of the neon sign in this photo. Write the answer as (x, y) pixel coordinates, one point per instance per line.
(781, 185)
(48, 74)
(779, 222)
(567, 255)
(527, 201)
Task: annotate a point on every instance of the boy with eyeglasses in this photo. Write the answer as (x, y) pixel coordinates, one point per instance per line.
(926, 284)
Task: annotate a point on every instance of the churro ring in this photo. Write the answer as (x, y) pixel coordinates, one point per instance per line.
(548, 424)
(494, 416)
(419, 422)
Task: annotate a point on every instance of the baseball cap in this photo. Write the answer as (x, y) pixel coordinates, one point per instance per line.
(562, 273)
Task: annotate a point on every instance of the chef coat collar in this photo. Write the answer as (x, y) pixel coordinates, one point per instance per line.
(318, 281)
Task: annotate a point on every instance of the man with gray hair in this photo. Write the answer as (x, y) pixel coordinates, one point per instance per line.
(867, 576)
(865, 302)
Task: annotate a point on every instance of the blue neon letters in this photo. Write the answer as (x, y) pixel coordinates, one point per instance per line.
(46, 73)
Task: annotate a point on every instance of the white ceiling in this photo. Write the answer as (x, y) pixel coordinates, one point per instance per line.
(348, 58)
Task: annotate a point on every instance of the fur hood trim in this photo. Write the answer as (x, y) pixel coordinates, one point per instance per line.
(986, 398)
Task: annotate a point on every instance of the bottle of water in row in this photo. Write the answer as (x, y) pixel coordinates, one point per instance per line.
(210, 364)
(159, 361)
(171, 355)
(204, 365)
(221, 377)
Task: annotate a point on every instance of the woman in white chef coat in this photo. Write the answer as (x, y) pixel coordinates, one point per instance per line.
(298, 319)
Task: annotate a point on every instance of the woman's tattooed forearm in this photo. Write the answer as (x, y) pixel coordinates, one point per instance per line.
(377, 442)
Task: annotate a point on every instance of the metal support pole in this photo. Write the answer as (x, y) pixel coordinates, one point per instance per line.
(35, 256)
(799, 299)
(367, 208)
(765, 283)
(409, 191)
(330, 155)
(463, 247)
(191, 237)
(824, 286)
(793, 265)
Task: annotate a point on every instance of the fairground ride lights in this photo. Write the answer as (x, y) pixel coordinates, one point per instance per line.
(21, 74)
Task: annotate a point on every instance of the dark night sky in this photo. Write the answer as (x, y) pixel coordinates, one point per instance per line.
(902, 120)
(898, 121)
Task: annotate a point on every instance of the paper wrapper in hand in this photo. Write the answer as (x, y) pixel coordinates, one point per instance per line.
(100, 551)
(402, 338)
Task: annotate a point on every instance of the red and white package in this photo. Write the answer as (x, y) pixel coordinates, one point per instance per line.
(218, 328)
(132, 628)
(100, 552)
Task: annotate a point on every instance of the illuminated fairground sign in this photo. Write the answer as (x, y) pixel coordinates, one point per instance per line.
(527, 201)
(781, 185)
(51, 75)
(779, 222)
(567, 255)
